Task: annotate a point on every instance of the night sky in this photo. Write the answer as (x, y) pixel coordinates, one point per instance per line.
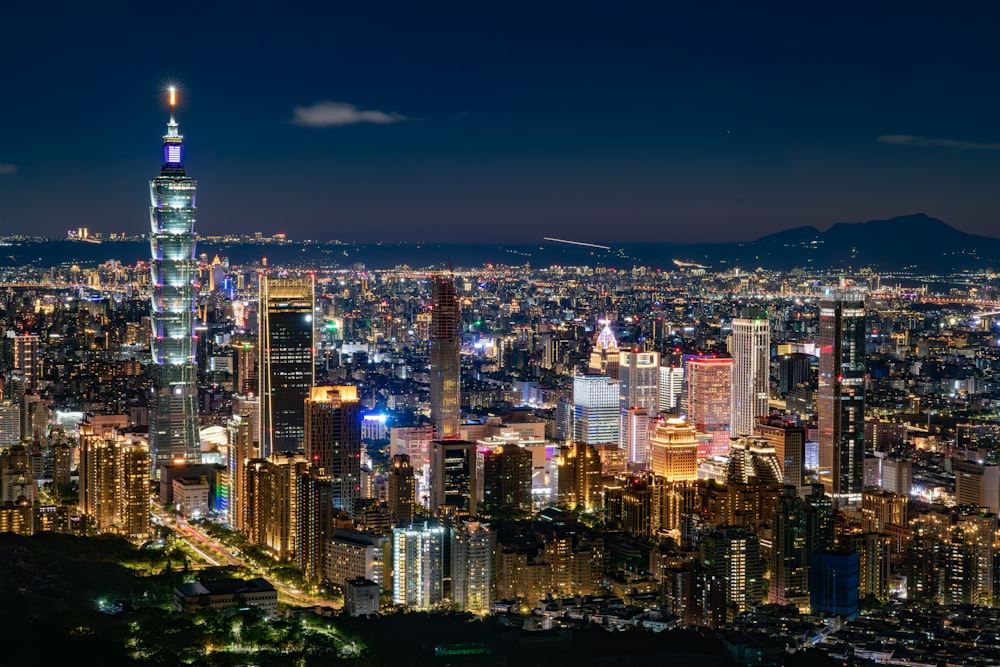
(595, 121)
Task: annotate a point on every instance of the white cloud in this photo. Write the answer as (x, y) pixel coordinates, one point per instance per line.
(332, 114)
(927, 142)
(6, 168)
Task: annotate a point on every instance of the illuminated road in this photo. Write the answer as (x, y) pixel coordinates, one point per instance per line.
(216, 553)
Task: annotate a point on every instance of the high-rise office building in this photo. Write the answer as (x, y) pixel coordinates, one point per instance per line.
(507, 481)
(578, 470)
(674, 449)
(596, 408)
(897, 475)
(454, 482)
(473, 551)
(789, 443)
(671, 388)
(402, 497)
(794, 368)
(751, 350)
(636, 425)
(285, 370)
(639, 395)
(977, 485)
(708, 382)
(333, 441)
(841, 402)
(245, 358)
(753, 460)
(446, 342)
(639, 375)
(834, 583)
(173, 415)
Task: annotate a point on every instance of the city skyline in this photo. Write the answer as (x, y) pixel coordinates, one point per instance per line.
(450, 122)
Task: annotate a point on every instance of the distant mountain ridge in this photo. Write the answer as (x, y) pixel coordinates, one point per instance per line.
(915, 242)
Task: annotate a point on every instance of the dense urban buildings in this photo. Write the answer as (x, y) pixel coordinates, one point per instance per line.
(558, 482)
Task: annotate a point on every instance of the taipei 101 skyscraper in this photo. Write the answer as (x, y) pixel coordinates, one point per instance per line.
(173, 414)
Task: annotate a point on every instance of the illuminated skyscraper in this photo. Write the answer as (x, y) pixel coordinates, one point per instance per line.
(173, 417)
(454, 487)
(596, 401)
(285, 371)
(671, 387)
(708, 384)
(789, 443)
(445, 344)
(639, 375)
(674, 452)
(579, 476)
(333, 441)
(841, 408)
(751, 350)
(753, 460)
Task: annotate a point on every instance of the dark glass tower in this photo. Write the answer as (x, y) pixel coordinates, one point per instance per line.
(285, 370)
(446, 342)
(842, 393)
(173, 416)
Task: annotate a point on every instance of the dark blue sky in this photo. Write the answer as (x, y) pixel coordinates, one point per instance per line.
(504, 120)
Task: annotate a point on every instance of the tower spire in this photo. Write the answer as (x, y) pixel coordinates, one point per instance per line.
(173, 142)
(172, 101)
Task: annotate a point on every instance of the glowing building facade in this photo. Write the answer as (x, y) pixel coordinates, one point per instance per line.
(173, 417)
(751, 350)
(333, 441)
(708, 409)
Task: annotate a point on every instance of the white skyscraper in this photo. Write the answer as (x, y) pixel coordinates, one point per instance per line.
(639, 375)
(751, 350)
(596, 401)
(671, 386)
